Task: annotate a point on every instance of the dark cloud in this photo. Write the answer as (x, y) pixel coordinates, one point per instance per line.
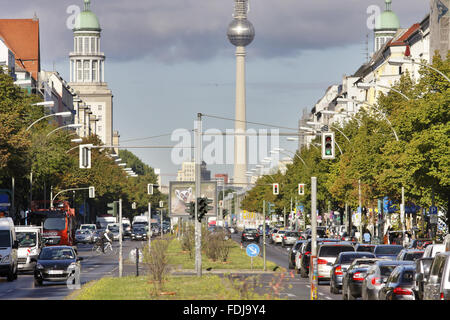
(193, 30)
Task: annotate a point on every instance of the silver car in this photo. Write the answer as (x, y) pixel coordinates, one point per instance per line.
(290, 238)
(84, 236)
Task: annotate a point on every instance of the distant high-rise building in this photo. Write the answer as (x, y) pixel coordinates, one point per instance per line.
(187, 172)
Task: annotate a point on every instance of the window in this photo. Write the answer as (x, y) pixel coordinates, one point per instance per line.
(55, 224)
(86, 71)
(86, 45)
(80, 45)
(93, 49)
(333, 251)
(99, 128)
(79, 71)
(5, 238)
(94, 70)
(100, 108)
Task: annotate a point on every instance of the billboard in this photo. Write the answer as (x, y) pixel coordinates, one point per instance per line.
(183, 192)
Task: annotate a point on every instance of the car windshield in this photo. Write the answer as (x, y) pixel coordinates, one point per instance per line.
(412, 256)
(408, 277)
(88, 227)
(386, 271)
(138, 230)
(388, 249)
(5, 239)
(55, 223)
(113, 228)
(56, 254)
(250, 231)
(333, 251)
(365, 248)
(26, 239)
(292, 234)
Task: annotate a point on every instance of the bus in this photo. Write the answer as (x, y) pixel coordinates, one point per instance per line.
(58, 224)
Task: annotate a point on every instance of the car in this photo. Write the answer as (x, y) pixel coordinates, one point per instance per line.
(399, 285)
(389, 251)
(250, 235)
(321, 233)
(438, 285)
(354, 277)
(326, 256)
(377, 275)
(421, 276)
(126, 229)
(84, 236)
(114, 229)
(433, 249)
(277, 237)
(9, 245)
(30, 245)
(420, 244)
(56, 264)
(293, 251)
(306, 255)
(89, 226)
(138, 233)
(363, 247)
(410, 254)
(290, 238)
(271, 234)
(340, 266)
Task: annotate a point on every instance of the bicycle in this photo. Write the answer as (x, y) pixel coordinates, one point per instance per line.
(109, 250)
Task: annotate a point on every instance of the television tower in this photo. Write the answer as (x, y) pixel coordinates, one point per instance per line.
(240, 33)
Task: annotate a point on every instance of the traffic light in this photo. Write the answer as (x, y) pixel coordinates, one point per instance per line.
(113, 208)
(150, 188)
(203, 207)
(301, 189)
(271, 209)
(91, 192)
(161, 204)
(328, 145)
(85, 156)
(190, 208)
(224, 213)
(276, 189)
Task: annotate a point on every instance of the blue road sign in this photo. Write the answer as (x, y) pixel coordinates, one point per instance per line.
(433, 210)
(252, 250)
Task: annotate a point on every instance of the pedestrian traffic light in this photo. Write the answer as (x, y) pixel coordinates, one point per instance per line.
(271, 209)
(301, 189)
(161, 204)
(328, 145)
(150, 188)
(190, 208)
(85, 156)
(276, 189)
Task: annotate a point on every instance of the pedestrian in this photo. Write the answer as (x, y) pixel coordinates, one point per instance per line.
(406, 240)
(366, 236)
(386, 239)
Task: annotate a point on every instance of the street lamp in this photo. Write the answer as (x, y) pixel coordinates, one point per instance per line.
(67, 126)
(76, 140)
(45, 104)
(62, 114)
(400, 62)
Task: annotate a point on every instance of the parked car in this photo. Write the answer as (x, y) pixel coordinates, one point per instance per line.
(410, 254)
(421, 276)
(30, 245)
(341, 265)
(433, 249)
(326, 257)
(293, 251)
(84, 236)
(289, 238)
(354, 277)
(138, 233)
(56, 263)
(399, 285)
(377, 276)
(9, 264)
(250, 235)
(360, 247)
(389, 251)
(438, 285)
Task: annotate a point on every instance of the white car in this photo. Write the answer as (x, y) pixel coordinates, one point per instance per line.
(114, 229)
(8, 249)
(278, 237)
(438, 285)
(433, 249)
(327, 254)
(89, 226)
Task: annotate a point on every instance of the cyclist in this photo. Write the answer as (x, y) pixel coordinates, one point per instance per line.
(105, 237)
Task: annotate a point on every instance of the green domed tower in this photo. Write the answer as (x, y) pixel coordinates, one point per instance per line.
(87, 76)
(386, 26)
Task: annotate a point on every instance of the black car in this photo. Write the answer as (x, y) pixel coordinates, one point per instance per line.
(138, 233)
(341, 265)
(389, 251)
(354, 277)
(321, 233)
(250, 235)
(399, 285)
(56, 264)
(293, 250)
(365, 247)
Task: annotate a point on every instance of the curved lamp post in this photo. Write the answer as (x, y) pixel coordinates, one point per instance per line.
(400, 62)
(62, 114)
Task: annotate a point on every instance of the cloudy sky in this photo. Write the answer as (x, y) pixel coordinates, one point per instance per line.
(169, 59)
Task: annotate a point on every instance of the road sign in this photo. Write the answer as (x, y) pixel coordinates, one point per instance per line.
(433, 210)
(433, 215)
(252, 250)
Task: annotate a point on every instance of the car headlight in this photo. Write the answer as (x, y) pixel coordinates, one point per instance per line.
(6, 259)
(39, 266)
(72, 266)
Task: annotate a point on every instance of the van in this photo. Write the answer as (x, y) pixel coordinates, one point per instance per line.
(30, 245)
(326, 257)
(8, 249)
(438, 285)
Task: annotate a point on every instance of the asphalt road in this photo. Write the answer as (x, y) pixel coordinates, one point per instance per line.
(93, 267)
